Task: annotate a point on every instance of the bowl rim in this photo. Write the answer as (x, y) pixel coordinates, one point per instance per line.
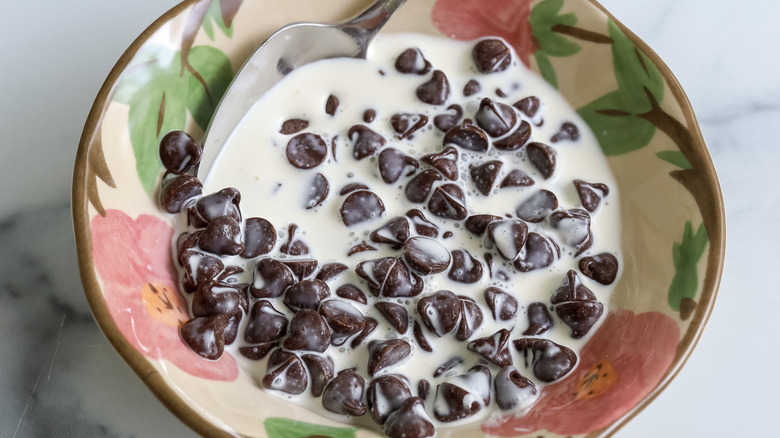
(197, 422)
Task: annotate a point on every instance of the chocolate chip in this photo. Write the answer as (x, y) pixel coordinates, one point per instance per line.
(306, 294)
(199, 268)
(517, 139)
(344, 393)
(576, 305)
(369, 115)
(361, 206)
(385, 395)
(321, 370)
(383, 354)
(494, 348)
(501, 93)
(468, 136)
(419, 336)
(542, 157)
(205, 335)
(285, 373)
(462, 396)
(448, 201)
(550, 361)
(186, 241)
(365, 142)
(445, 162)
(568, 131)
(450, 119)
(294, 245)
(419, 187)
(436, 90)
(539, 320)
(393, 164)
(343, 319)
(470, 318)
(329, 271)
(472, 87)
(266, 324)
(412, 61)
(179, 152)
(573, 228)
(360, 247)
(465, 268)
(351, 187)
(271, 279)
(539, 252)
(508, 236)
(222, 237)
(516, 178)
(440, 311)
(422, 225)
(423, 389)
(389, 277)
(426, 255)
(491, 56)
(447, 366)
(371, 325)
(257, 352)
(591, 194)
(410, 421)
(331, 105)
(293, 126)
(306, 151)
(484, 175)
(395, 314)
(502, 305)
(308, 331)
(478, 223)
(529, 106)
(317, 191)
(406, 124)
(259, 237)
(393, 233)
(222, 203)
(601, 267)
(495, 118)
(179, 191)
(513, 390)
(537, 206)
(301, 268)
(351, 292)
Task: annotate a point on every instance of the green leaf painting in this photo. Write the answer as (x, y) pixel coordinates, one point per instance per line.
(676, 158)
(545, 19)
(214, 16)
(686, 256)
(286, 428)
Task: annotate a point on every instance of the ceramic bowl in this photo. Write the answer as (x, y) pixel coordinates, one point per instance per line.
(170, 77)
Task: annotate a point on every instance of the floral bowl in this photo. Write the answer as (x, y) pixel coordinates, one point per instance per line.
(172, 76)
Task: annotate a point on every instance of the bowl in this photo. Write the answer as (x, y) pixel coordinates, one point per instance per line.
(672, 210)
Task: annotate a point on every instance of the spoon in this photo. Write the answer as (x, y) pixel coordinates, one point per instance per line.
(290, 47)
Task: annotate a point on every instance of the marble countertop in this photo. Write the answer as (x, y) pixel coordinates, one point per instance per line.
(61, 377)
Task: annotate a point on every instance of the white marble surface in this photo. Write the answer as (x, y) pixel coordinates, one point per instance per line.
(61, 378)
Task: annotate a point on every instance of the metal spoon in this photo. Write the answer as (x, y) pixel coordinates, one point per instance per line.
(288, 48)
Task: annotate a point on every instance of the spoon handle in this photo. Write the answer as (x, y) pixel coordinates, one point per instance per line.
(365, 26)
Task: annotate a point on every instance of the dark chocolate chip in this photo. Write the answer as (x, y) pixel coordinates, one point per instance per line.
(344, 393)
(294, 245)
(351, 292)
(576, 305)
(186, 241)
(369, 115)
(361, 206)
(179, 152)
(418, 189)
(513, 390)
(271, 279)
(178, 192)
(447, 366)
(568, 131)
(537, 206)
(351, 187)
(465, 268)
(426, 255)
(412, 61)
(472, 87)
(306, 150)
(371, 325)
(495, 118)
(199, 268)
(517, 139)
(539, 252)
(360, 247)
(468, 136)
(321, 370)
(423, 389)
(205, 335)
(285, 373)
(550, 361)
(317, 191)
(301, 268)
(293, 126)
(445, 162)
(393, 233)
(393, 164)
(478, 223)
(542, 157)
(502, 305)
(329, 271)
(395, 314)
(470, 318)
(446, 121)
(259, 237)
(462, 396)
(422, 225)
(389, 277)
(306, 294)
(440, 311)
(494, 348)
(448, 201)
(491, 56)
(218, 298)
(410, 421)
(539, 320)
(507, 236)
(385, 395)
(573, 228)
(222, 237)
(436, 90)
(516, 178)
(406, 124)
(222, 203)
(365, 142)
(591, 194)
(601, 267)
(572, 289)
(419, 336)
(308, 331)
(529, 106)
(343, 319)
(484, 175)
(257, 352)
(266, 324)
(501, 93)
(382, 354)
(331, 105)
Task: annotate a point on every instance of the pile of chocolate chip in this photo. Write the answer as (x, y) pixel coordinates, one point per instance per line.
(323, 320)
